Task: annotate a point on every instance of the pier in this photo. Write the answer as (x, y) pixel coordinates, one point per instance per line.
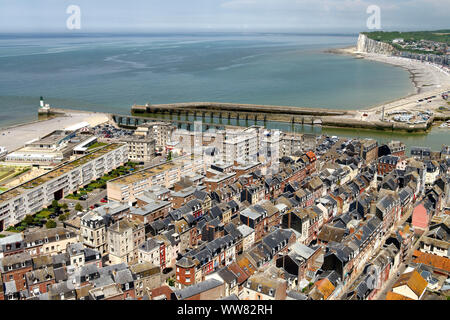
(209, 112)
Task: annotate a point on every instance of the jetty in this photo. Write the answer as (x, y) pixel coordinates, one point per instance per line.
(213, 112)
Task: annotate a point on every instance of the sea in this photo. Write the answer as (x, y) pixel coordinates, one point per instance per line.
(111, 72)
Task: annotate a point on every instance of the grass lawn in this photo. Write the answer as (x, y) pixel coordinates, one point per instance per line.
(44, 214)
(101, 182)
(73, 197)
(96, 145)
(7, 172)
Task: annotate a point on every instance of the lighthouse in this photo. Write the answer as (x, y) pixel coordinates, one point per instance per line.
(41, 102)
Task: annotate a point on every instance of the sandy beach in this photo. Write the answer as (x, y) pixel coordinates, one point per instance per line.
(16, 136)
(428, 79)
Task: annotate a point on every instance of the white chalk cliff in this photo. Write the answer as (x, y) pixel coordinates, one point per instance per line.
(368, 45)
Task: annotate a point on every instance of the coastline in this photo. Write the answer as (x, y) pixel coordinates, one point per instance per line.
(427, 79)
(351, 51)
(15, 136)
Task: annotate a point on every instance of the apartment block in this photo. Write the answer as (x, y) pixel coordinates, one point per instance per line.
(32, 196)
(126, 188)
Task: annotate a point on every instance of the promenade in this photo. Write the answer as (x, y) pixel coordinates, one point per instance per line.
(15, 137)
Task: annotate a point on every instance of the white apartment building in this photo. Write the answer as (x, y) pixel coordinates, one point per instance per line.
(160, 131)
(240, 145)
(126, 188)
(32, 196)
(152, 251)
(93, 232)
(140, 148)
(124, 238)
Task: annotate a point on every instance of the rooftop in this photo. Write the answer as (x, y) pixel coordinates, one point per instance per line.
(17, 191)
(146, 173)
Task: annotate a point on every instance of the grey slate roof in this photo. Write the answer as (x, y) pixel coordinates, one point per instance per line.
(10, 287)
(123, 276)
(197, 288)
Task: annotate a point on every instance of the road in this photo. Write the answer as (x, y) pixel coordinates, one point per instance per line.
(357, 273)
(93, 198)
(381, 295)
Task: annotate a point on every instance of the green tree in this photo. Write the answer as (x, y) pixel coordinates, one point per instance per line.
(50, 224)
(169, 156)
(55, 204)
(65, 206)
(171, 282)
(28, 219)
(63, 217)
(78, 207)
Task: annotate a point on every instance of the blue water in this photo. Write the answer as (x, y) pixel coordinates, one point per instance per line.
(112, 72)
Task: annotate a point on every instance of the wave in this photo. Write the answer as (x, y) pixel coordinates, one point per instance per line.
(133, 64)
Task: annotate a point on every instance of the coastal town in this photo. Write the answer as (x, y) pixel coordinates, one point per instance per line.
(101, 211)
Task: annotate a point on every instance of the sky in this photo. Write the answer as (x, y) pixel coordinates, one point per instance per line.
(337, 16)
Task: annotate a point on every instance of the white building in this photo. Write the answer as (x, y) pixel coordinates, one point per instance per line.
(32, 196)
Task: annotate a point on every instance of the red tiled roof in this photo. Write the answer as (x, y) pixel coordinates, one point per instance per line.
(442, 263)
(163, 290)
(395, 296)
(325, 287)
(311, 156)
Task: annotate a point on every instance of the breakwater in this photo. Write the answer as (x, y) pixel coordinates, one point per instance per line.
(207, 111)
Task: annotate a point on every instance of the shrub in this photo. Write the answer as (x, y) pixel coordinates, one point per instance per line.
(11, 229)
(78, 207)
(171, 282)
(28, 219)
(50, 224)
